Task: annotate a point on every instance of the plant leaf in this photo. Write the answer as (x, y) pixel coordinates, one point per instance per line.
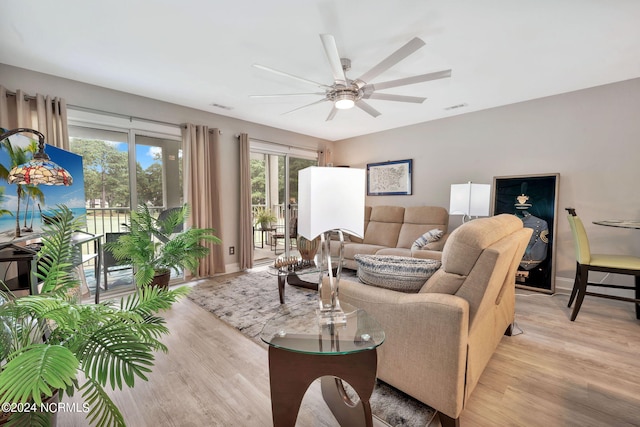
(37, 370)
(102, 410)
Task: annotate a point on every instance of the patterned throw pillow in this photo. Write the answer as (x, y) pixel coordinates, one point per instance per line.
(428, 237)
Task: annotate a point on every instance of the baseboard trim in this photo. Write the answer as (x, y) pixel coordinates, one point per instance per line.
(564, 285)
(230, 268)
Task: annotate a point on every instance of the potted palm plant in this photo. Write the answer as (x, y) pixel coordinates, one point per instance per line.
(152, 247)
(265, 217)
(46, 340)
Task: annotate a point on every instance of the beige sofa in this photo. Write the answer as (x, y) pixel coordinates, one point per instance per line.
(439, 340)
(391, 230)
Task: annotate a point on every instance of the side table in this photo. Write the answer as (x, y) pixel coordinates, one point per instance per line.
(301, 350)
(263, 232)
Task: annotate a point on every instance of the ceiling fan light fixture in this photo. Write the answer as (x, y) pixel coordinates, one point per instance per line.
(345, 93)
(344, 101)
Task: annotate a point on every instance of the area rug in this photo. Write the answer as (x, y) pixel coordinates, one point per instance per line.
(247, 300)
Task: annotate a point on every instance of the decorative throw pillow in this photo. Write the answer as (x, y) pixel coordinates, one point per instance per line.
(428, 237)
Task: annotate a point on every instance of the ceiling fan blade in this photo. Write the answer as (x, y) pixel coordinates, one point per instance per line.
(332, 114)
(399, 98)
(409, 80)
(397, 56)
(282, 73)
(305, 106)
(331, 50)
(276, 95)
(367, 108)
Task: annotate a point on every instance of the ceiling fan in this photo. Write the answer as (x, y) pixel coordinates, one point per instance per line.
(346, 93)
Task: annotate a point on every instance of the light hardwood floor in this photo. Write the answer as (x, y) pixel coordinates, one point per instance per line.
(556, 373)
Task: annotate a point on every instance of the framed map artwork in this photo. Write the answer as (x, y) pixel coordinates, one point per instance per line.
(389, 178)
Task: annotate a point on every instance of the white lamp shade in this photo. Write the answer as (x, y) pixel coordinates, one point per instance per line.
(330, 198)
(470, 199)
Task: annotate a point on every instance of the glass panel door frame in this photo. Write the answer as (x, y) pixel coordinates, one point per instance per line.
(132, 135)
(287, 153)
(133, 144)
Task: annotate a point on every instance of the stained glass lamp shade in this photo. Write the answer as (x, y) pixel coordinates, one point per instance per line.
(40, 169)
(40, 172)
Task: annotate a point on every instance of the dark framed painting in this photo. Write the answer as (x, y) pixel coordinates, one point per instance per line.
(389, 178)
(533, 199)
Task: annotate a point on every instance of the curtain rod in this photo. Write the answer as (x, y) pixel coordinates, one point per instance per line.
(109, 113)
(93, 110)
(281, 144)
(124, 116)
(26, 97)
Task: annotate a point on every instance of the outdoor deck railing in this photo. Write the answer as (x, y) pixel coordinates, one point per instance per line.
(111, 220)
(278, 210)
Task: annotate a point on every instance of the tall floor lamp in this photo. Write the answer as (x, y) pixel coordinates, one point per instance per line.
(330, 200)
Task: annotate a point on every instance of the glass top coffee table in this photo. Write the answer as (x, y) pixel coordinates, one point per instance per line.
(301, 350)
(296, 272)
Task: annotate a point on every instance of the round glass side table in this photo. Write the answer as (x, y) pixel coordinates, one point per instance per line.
(301, 350)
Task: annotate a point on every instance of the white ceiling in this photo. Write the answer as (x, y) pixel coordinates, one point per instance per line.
(198, 52)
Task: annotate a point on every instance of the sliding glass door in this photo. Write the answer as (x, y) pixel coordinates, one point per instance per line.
(274, 180)
(124, 169)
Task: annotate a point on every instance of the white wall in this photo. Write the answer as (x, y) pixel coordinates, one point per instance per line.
(591, 137)
(89, 96)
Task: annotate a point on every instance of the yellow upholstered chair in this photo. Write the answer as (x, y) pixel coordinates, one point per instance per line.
(586, 262)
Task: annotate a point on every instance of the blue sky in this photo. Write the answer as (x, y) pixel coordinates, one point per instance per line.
(145, 153)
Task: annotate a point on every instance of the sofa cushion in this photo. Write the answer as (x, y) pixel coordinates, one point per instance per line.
(469, 240)
(367, 218)
(420, 219)
(463, 248)
(427, 254)
(351, 249)
(443, 283)
(403, 274)
(384, 226)
(428, 237)
(395, 251)
(438, 245)
(387, 214)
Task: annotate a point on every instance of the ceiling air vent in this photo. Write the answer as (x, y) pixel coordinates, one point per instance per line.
(224, 107)
(455, 107)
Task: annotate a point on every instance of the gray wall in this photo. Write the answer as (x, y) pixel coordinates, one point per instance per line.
(89, 96)
(591, 137)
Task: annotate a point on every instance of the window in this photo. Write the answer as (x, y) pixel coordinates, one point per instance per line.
(126, 163)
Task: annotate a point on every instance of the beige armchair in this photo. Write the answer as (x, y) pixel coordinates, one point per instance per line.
(440, 339)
